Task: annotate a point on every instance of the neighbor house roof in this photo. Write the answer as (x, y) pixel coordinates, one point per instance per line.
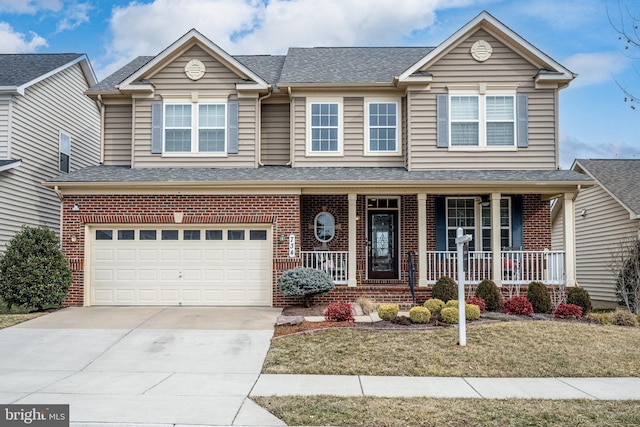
(9, 164)
(109, 84)
(618, 177)
(19, 71)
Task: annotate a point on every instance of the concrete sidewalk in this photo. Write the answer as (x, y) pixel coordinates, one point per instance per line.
(448, 387)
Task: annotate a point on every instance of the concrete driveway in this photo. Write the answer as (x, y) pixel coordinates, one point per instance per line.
(147, 365)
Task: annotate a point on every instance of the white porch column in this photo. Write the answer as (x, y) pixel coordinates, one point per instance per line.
(569, 240)
(353, 235)
(422, 239)
(496, 241)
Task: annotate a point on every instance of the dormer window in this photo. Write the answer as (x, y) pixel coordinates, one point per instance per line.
(195, 128)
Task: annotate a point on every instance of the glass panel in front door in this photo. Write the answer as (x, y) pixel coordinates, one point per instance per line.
(383, 245)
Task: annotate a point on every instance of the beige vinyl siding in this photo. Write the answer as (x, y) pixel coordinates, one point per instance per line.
(117, 134)
(5, 107)
(353, 139)
(48, 107)
(557, 228)
(276, 134)
(598, 235)
(218, 82)
(505, 67)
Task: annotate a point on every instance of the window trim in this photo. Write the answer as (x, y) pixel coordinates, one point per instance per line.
(315, 227)
(398, 127)
(61, 152)
(481, 92)
(195, 127)
(478, 227)
(308, 149)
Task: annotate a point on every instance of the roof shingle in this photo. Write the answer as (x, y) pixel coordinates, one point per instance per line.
(18, 69)
(618, 176)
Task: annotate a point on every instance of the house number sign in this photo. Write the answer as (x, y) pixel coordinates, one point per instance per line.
(292, 246)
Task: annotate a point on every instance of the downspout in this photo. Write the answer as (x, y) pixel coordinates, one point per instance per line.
(259, 136)
(58, 192)
(102, 114)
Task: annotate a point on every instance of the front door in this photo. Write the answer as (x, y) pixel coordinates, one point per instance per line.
(383, 245)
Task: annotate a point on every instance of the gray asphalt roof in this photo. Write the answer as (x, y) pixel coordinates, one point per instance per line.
(310, 175)
(18, 69)
(349, 64)
(266, 66)
(7, 162)
(619, 176)
(109, 83)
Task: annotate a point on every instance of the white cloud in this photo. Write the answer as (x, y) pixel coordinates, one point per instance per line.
(261, 27)
(572, 148)
(596, 68)
(14, 42)
(29, 6)
(75, 15)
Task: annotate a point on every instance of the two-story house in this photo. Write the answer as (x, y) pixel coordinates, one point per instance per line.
(221, 172)
(47, 127)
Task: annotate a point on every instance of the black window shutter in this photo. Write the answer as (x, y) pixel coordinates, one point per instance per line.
(441, 224)
(232, 128)
(522, 113)
(443, 120)
(517, 237)
(156, 128)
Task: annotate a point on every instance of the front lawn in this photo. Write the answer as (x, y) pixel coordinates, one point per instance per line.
(506, 349)
(7, 320)
(406, 412)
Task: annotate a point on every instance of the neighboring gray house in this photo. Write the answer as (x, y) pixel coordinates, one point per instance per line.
(605, 215)
(47, 126)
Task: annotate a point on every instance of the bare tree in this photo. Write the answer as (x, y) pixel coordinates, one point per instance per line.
(627, 24)
(625, 266)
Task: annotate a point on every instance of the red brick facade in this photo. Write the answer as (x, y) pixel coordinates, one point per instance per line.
(288, 214)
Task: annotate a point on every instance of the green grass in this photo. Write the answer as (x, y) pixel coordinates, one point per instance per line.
(15, 315)
(407, 412)
(506, 349)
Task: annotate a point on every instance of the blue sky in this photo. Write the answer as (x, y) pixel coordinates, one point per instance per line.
(595, 122)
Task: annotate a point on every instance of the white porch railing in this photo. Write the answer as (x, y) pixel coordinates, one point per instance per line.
(335, 263)
(518, 267)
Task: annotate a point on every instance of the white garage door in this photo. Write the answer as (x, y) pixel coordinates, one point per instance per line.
(180, 265)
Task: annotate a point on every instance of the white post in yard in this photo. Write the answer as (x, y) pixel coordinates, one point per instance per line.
(462, 320)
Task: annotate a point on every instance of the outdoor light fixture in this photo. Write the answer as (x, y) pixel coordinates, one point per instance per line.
(484, 202)
(74, 238)
(75, 207)
(282, 238)
(583, 213)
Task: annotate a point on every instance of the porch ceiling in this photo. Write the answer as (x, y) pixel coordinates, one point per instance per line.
(321, 180)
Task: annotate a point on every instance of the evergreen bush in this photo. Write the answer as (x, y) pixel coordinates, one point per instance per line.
(449, 315)
(489, 292)
(434, 305)
(579, 296)
(538, 296)
(388, 311)
(419, 315)
(479, 302)
(445, 289)
(471, 312)
(33, 271)
(304, 282)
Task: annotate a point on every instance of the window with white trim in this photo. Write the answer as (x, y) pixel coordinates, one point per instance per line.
(475, 219)
(195, 127)
(324, 227)
(64, 152)
(324, 127)
(382, 127)
(482, 120)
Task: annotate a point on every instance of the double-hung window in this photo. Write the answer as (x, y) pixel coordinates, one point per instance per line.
(64, 152)
(325, 127)
(382, 127)
(195, 128)
(482, 118)
(475, 219)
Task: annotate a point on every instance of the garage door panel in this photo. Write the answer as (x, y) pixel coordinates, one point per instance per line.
(187, 272)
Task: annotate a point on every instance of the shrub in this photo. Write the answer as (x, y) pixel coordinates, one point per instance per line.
(388, 311)
(601, 318)
(419, 315)
(33, 271)
(489, 292)
(449, 315)
(628, 276)
(452, 303)
(471, 312)
(568, 311)
(538, 296)
(519, 306)
(434, 305)
(304, 282)
(579, 296)
(339, 312)
(477, 301)
(367, 305)
(445, 289)
(623, 318)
